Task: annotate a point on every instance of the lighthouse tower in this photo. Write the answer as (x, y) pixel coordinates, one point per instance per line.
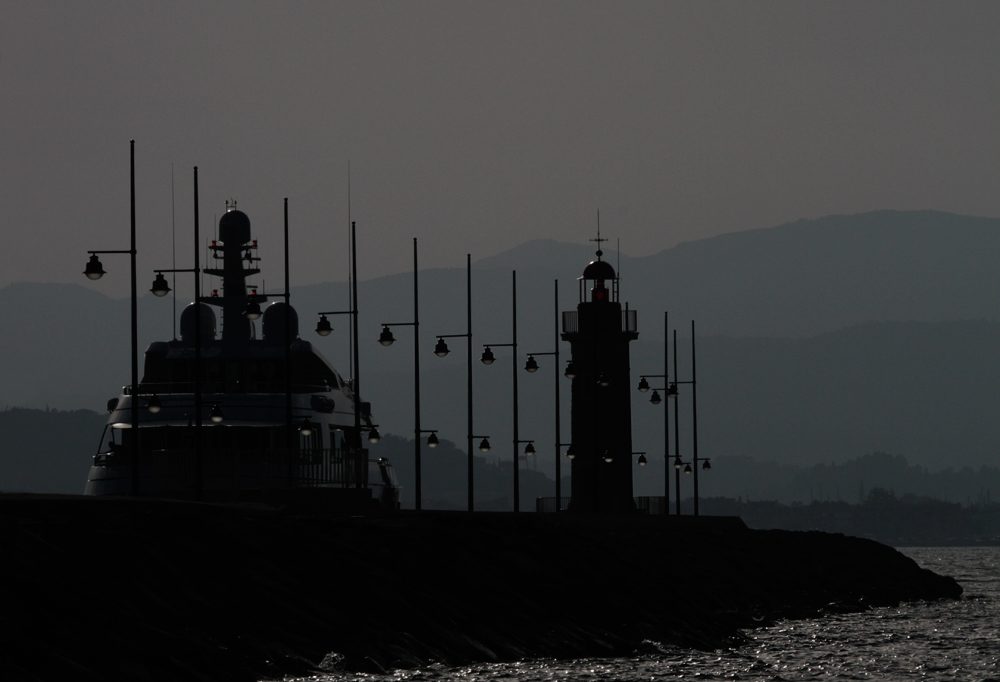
(599, 332)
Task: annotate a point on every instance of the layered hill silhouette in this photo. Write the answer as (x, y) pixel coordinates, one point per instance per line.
(795, 280)
(791, 363)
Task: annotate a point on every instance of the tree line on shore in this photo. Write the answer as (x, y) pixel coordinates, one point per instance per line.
(901, 521)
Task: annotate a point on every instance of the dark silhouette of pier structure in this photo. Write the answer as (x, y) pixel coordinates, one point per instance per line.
(599, 332)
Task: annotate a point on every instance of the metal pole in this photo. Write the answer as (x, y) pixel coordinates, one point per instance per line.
(558, 418)
(198, 468)
(677, 433)
(694, 420)
(289, 431)
(356, 455)
(666, 416)
(416, 378)
(517, 466)
(468, 317)
(135, 338)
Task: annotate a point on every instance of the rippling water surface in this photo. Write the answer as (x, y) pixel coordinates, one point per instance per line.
(955, 640)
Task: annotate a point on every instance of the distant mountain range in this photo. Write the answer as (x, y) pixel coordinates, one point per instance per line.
(792, 281)
(818, 340)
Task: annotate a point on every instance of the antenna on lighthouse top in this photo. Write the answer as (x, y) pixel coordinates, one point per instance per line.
(599, 240)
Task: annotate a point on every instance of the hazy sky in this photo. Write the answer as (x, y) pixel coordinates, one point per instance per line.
(477, 126)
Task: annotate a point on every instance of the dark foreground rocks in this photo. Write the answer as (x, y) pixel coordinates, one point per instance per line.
(157, 590)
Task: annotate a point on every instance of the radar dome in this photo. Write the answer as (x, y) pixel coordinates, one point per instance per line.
(188, 322)
(234, 227)
(273, 323)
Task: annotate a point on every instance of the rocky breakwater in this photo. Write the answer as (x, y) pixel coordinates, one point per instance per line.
(159, 590)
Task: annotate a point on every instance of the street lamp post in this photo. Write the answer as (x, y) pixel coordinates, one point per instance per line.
(323, 328)
(677, 430)
(532, 366)
(644, 387)
(672, 392)
(641, 460)
(529, 451)
(290, 436)
(694, 418)
(95, 271)
(488, 359)
(441, 350)
(386, 339)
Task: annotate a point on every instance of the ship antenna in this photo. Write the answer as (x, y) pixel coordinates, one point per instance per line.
(173, 244)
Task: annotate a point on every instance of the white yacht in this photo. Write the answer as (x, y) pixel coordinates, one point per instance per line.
(265, 433)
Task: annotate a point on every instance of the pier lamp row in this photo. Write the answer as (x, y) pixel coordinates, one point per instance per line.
(678, 464)
(387, 339)
(670, 390)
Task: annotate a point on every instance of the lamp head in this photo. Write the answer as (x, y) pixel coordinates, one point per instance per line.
(570, 452)
(386, 338)
(487, 357)
(216, 414)
(706, 466)
(531, 365)
(323, 327)
(441, 348)
(604, 380)
(643, 385)
(642, 460)
(253, 309)
(687, 469)
(529, 449)
(374, 436)
(153, 404)
(432, 440)
(570, 372)
(484, 446)
(160, 287)
(655, 398)
(94, 270)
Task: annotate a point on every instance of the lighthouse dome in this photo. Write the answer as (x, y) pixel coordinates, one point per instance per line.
(599, 270)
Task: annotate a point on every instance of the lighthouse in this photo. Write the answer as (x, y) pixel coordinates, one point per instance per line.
(599, 332)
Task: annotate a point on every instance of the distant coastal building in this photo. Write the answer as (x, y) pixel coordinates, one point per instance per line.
(599, 332)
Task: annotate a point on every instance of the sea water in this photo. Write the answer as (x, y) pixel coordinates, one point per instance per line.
(945, 640)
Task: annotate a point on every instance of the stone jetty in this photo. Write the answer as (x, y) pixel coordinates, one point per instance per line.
(144, 589)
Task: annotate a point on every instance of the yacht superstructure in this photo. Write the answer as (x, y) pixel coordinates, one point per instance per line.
(277, 418)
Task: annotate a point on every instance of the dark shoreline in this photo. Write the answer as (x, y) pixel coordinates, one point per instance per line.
(103, 588)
